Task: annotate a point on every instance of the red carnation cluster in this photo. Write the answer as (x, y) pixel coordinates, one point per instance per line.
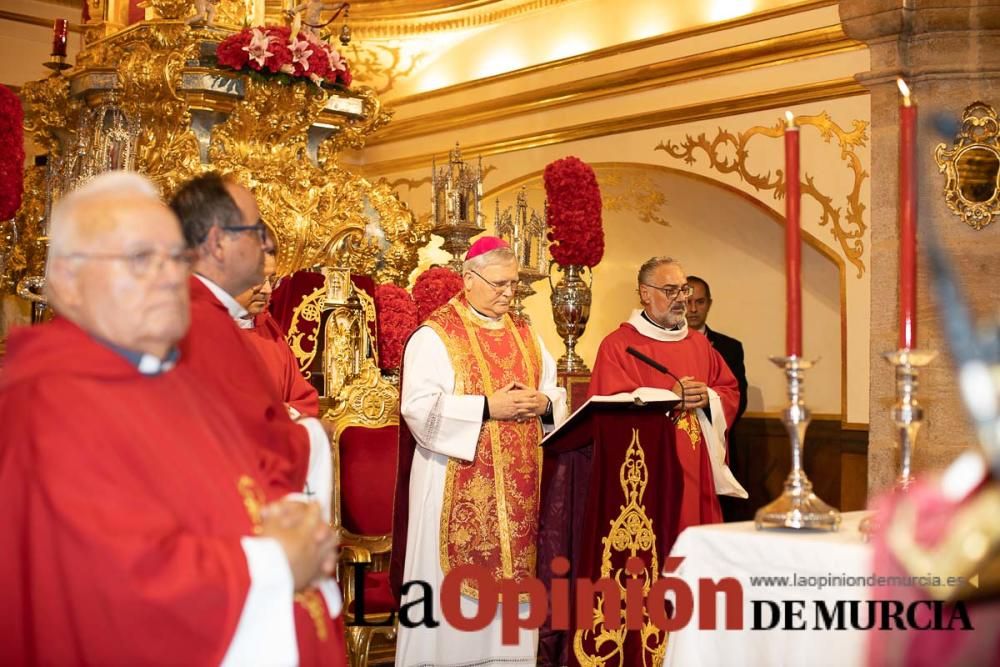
(272, 50)
(574, 213)
(396, 319)
(11, 153)
(433, 288)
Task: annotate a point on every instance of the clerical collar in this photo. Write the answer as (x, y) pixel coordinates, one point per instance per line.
(236, 311)
(646, 327)
(484, 315)
(658, 325)
(146, 364)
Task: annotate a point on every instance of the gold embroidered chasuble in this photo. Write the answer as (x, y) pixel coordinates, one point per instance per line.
(490, 513)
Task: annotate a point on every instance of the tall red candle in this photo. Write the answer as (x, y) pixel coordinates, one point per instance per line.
(907, 220)
(793, 241)
(60, 31)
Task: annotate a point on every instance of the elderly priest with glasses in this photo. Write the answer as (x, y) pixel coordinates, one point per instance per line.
(655, 348)
(478, 389)
(142, 523)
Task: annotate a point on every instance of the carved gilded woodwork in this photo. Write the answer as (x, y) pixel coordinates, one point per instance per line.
(728, 153)
(157, 77)
(972, 167)
(302, 342)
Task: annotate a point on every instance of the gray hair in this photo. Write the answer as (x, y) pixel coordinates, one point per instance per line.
(68, 228)
(651, 265)
(496, 256)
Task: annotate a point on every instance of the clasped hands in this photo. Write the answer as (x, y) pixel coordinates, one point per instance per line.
(517, 402)
(307, 540)
(694, 394)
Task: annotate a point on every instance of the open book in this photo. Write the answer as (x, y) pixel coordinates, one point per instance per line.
(641, 396)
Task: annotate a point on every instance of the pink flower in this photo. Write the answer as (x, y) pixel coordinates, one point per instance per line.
(300, 54)
(257, 49)
(336, 61)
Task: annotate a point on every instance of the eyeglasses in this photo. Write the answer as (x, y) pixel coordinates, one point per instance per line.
(673, 291)
(142, 263)
(260, 228)
(501, 286)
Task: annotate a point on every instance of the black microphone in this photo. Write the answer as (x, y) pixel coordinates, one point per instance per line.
(653, 363)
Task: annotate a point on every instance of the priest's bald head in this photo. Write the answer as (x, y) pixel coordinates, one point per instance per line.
(490, 276)
(222, 224)
(118, 264)
(663, 291)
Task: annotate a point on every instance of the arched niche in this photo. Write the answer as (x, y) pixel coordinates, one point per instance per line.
(730, 239)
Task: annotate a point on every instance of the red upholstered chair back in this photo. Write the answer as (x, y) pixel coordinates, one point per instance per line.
(367, 481)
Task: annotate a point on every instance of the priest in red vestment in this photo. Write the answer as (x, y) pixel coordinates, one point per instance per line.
(265, 336)
(141, 524)
(221, 222)
(698, 375)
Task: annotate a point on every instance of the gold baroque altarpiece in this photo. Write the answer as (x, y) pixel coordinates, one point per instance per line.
(154, 83)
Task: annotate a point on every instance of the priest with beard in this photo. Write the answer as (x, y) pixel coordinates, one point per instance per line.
(142, 525)
(697, 375)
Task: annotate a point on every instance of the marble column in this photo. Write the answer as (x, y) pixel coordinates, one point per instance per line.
(949, 53)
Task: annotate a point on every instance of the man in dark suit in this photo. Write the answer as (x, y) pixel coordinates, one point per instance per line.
(698, 305)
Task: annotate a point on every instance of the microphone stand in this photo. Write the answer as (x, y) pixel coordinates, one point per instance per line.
(656, 365)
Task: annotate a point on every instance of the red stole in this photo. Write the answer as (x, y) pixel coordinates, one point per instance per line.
(617, 371)
(490, 512)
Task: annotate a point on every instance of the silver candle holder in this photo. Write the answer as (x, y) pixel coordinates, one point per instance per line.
(907, 414)
(797, 507)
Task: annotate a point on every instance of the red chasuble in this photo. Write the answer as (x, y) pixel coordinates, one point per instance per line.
(125, 498)
(282, 366)
(617, 371)
(224, 360)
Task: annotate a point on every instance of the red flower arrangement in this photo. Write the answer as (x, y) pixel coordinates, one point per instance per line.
(396, 318)
(433, 288)
(574, 213)
(11, 153)
(274, 51)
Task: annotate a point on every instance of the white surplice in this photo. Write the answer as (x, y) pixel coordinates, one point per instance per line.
(444, 426)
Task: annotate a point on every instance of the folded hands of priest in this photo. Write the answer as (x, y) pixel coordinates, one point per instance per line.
(517, 401)
(308, 542)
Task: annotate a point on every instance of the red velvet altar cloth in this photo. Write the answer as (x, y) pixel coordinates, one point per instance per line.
(933, 519)
(582, 495)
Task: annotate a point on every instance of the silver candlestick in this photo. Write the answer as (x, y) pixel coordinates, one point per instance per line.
(797, 507)
(907, 413)
(908, 417)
